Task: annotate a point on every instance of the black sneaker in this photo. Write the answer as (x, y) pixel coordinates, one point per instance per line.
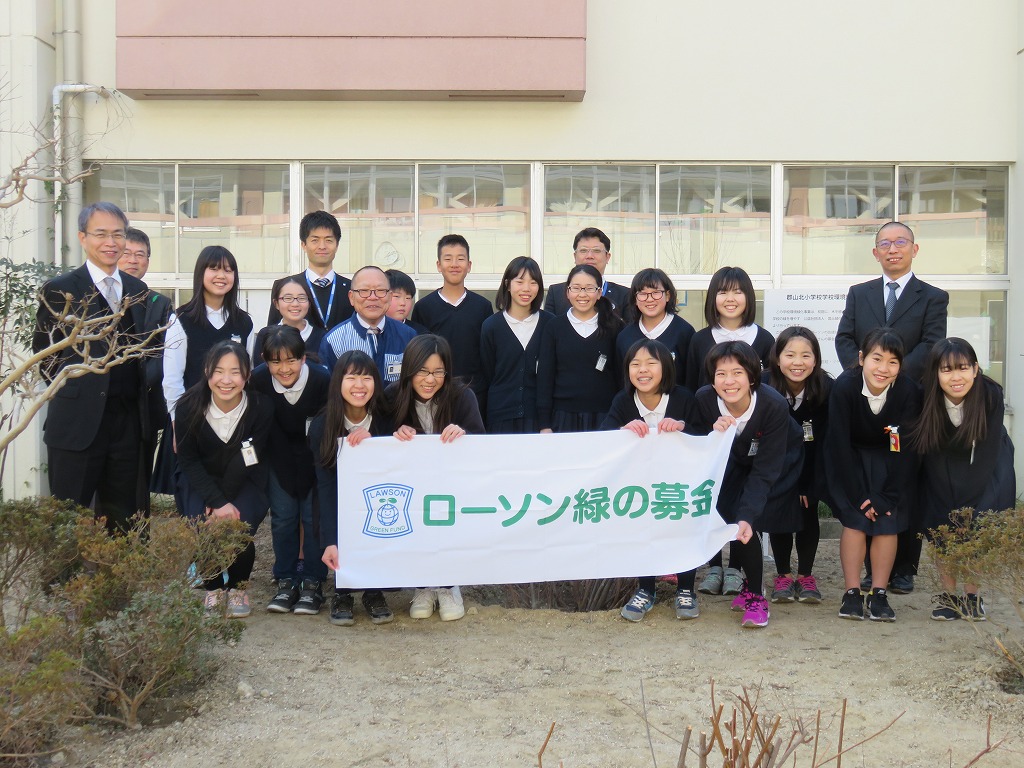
(878, 606)
(377, 607)
(853, 605)
(974, 607)
(286, 597)
(311, 597)
(947, 607)
(901, 583)
(341, 609)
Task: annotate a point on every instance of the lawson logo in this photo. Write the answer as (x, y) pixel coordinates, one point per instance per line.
(387, 511)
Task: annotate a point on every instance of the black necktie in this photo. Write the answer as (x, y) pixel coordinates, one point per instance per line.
(890, 300)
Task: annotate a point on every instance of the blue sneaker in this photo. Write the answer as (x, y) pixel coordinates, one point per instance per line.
(638, 606)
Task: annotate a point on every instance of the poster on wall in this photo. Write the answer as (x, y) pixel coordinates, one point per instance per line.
(818, 310)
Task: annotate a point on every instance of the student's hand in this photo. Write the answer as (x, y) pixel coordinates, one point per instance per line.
(744, 532)
(330, 557)
(451, 432)
(357, 435)
(547, 432)
(228, 512)
(405, 433)
(723, 423)
(638, 427)
(671, 425)
(869, 511)
(804, 502)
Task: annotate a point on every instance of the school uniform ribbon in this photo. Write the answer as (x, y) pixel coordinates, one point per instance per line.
(503, 509)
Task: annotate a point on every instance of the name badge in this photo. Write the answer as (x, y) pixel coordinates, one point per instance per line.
(753, 447)
(249, 454)
(808, 432)
(894, 439)
(602, 361)
(236, 338)
(308, 422)
(394, 369)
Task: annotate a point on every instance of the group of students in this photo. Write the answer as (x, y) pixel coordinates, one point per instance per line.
(884, 452)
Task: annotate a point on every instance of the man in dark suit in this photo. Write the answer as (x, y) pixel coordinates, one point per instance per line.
(917, 312)
(319, 235)
(94, 426)
(594, 247)
(135, 261)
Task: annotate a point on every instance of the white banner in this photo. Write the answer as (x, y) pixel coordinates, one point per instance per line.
(504, 509)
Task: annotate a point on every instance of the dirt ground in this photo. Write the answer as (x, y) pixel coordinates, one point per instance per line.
(483, 691)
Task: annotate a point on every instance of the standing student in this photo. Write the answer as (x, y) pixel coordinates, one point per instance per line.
(589, 246)
(795, 372)
(427, 400)
(298, 391)
(729, 310)
(870, 467)
(454, 312)
(510, 348)
(293, 301)
(210, 316)
(758, 490)
(403, 299)
(576, 374)
(353, 413)
(651, 314)
(222, 436)
(966, 456)
(652, 401)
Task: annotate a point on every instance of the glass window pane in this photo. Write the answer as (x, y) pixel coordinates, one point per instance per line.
(980, 317)
(617, 199)
(959, 215)
(488, 204)
(242, 207)
(714, 216)
(146, 194)
(831, 218)
(374, 205)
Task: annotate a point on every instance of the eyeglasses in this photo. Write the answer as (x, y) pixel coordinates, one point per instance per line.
(377, 293)
(651, 295)
(118, 237)
(130, 254)
(899, 242)
(293, 299)
(423, 373)
(574, 289)
(588, 251)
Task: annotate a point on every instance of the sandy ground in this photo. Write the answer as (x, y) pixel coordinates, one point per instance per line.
(484, 691)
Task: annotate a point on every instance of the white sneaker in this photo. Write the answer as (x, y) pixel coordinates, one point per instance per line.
(450, 605)
(423, 603)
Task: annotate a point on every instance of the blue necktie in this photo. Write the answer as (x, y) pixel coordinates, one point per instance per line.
(890, 300)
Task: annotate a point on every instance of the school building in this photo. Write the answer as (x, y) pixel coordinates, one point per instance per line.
(772, 136)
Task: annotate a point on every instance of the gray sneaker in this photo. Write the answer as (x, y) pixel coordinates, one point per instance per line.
(686, 604)
(732, 582)
(638, 606)
(712, 583)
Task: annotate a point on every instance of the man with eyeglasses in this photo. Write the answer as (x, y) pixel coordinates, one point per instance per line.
(594, 247)
(95, 422)
(368, 329)
(917, 311)
(319, 237)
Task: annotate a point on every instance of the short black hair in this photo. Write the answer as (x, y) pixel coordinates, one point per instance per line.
(723, 280)
(134, 235)
(101, 207)
(282, 338)
(739, 351)
(592, 232)
(452, 239)
(518, 265)
(894, 224)
(319, 220)
(399, 281)
(649, 278)
(655, 349)
(887, 340)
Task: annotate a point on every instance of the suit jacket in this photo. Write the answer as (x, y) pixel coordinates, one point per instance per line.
(158, 309)
(76, 410)
(557, 303)
(919, 318)
(341, 310)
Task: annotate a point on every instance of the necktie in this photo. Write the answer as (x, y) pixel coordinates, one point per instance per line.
(890, 300)
(110, 293)
(373, 333)
(321, 282)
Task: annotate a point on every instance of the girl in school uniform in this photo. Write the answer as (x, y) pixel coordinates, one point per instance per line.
(759, 488)
(795, 372)
(871, 468)
(210, 316)
(729, 309)
(510, 348)
(298, 391)
(576, 375)
(353, 413)
(292, 298)
(966, 456)
(652, 401)
(651, 314)
(427, 400)
(222, 436)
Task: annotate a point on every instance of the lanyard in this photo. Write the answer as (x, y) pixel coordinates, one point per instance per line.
(316, 301)
(604, 288)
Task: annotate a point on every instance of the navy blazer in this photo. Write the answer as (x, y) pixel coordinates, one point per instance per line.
(919, 318)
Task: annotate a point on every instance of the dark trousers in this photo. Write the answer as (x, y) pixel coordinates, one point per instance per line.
(107, 472)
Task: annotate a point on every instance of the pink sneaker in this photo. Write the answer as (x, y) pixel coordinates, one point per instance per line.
(756, 613)
(739, 603)
(784, 590)
(807, 590)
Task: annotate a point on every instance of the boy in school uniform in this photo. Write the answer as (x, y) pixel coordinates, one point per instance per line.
(403, 296)
(455, 313)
